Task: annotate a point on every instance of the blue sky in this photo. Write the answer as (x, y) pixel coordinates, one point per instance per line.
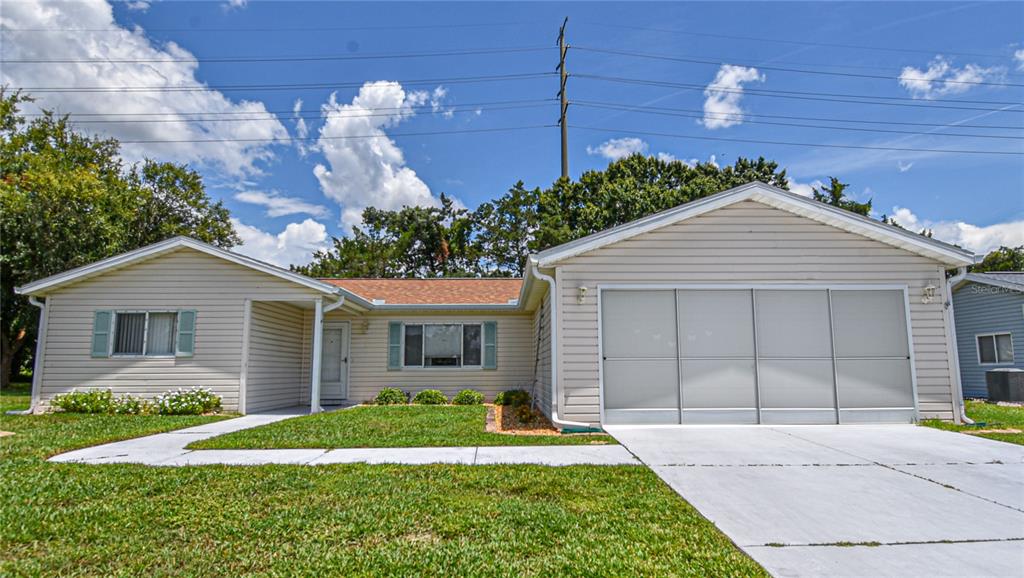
(289, 196)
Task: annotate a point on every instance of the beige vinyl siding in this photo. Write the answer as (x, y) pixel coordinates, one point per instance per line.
(275, 376)
(185, 279)
(746, 243)
(368, 371)
(542, 345)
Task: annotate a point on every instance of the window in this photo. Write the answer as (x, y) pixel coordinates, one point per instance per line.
(442, 345)
(148, 333)
(995, 348)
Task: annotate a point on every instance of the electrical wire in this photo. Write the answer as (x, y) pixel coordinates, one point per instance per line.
(341, 137)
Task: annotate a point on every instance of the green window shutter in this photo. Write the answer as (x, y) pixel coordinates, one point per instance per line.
(394, 345)
(490, 345)
(101, 323)
(186, 333)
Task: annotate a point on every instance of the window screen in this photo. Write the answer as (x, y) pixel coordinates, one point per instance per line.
(471, 340)
(160, 338)
(995, 348)
(414, 345)
(129, 331)
(442, 345)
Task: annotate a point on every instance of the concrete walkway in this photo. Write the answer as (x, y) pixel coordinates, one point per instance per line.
(849, 500)
(168, 449)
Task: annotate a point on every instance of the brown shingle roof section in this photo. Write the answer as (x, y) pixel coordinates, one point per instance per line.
(433, 291)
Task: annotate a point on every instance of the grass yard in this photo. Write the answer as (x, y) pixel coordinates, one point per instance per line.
(388, 426)
(993, 417)
(123, 519)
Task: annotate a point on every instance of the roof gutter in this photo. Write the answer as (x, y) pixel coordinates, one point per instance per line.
(554, 353)
(37, 366)
(953, 281)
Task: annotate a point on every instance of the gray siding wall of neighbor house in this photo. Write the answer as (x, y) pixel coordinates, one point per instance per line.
(743, 244)
(980, 309)
(368, 355)
(185, 279)
(274, 377)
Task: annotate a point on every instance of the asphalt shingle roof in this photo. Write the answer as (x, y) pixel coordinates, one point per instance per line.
(433, 291)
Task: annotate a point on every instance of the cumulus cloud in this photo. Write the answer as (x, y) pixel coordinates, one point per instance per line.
(618, 148)
(722, 104)
(667, 157)
(234, 158)
(294, 245)
(805, 189)
(363, 172)
(437, 106)
(942, 78)
(234, 5)
(1018, 57)
(138, 5)
(278, 206)
(979, 239)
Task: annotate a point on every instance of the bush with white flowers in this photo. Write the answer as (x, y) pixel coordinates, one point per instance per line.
(188, 401)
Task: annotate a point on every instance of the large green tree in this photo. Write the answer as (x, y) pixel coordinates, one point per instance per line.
(66, 200)
(1002, 259)
(835, 195)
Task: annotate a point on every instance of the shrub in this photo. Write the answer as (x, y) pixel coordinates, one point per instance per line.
(430, 397)
(192, 401)
(130, 405)
(391, 396)
(513, 397)
(468, 397)
(88, 401)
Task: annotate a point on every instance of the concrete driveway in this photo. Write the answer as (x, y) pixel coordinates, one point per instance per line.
(852, 500)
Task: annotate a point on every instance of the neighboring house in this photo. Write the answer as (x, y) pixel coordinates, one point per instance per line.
(989, 316)
(754, 305)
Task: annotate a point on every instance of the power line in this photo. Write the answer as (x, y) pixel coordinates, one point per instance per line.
(813, 118)
(799, 144)
(691, 60)
(341, 137)
(819, 96)
(798, 42)
(286, 28)
(455, 80)
(744, 118)
(308, 58)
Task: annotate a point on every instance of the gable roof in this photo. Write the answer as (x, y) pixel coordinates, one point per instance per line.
(42, 286)
(945, 253)
(445, 291)
(1013, 280)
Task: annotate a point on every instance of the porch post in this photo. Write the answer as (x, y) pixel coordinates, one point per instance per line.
(318, 326)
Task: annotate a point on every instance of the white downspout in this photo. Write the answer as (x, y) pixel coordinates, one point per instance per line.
(961, 273)
(318, 332)
(37, 365)
(554, 353)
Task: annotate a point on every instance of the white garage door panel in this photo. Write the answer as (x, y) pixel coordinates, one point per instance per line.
(719, 391)
(869, 324)
(793, 324)
(865, 383)
(639, 324)
(715, 323)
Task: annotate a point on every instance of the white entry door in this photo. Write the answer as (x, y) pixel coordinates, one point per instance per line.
(334, 363)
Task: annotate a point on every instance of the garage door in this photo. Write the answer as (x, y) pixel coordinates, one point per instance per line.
(748, 356)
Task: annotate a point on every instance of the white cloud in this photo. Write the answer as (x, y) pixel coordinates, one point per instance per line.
(618, 148)
(904, 167)
(437, 103)
(278, 206)
(234, 5)
(981, 240)
(805, 189)
(365, 172)
(294, 245)
(1018, 57)
(722, 106)
(942, 78)
(301, 128)
(666, 157)
(138, 5)
(234, 158)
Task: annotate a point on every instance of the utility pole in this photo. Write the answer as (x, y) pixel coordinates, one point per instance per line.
(563, 98)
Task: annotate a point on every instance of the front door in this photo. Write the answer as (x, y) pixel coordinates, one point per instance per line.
(334, 363)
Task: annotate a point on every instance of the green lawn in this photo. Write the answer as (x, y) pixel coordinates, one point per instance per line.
(989, 416)
(393, 426)
(129, 520)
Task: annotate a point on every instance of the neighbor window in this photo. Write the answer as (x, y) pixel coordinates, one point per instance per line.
(442, 345)
(996, 348)
(144, 333)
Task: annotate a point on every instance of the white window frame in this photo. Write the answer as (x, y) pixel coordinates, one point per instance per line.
(145, 334)
(995, 347)
(462, 346)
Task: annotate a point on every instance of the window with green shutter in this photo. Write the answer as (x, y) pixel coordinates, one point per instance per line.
(491, 345)
(394, 345)
(101, 333)
(186, 333)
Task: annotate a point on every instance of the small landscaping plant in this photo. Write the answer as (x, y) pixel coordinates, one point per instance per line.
(130, 405)
(513, 397)
(468, 397)
(430, 397)
(87, 401)
(391, 396)
(192, 401)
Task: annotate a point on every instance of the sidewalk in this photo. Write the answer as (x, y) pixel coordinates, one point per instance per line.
(168, 449)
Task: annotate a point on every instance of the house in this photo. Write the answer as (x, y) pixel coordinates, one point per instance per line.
(753, 305)
(989, 318)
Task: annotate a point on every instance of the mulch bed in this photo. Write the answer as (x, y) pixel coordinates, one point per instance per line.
(504, 419)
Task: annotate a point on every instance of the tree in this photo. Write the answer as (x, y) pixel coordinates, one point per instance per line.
(835, 195)
(504, 228)
(67, 200)
(1002, 259)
